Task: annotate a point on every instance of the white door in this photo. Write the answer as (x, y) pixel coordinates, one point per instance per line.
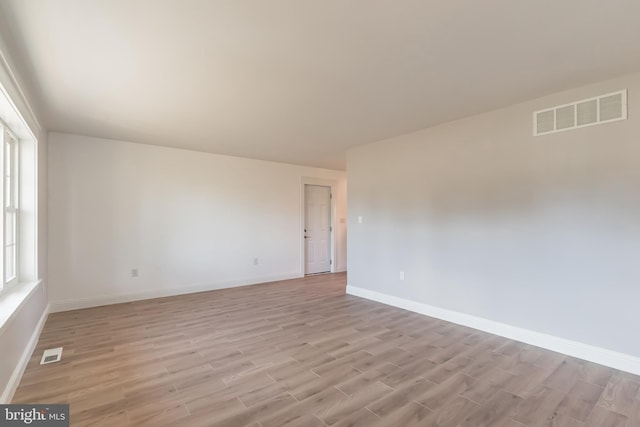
(317, 229)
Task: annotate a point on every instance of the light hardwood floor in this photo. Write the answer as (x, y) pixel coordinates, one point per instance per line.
(302, 353)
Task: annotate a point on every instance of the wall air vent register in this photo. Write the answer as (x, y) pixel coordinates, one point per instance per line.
(587, 112)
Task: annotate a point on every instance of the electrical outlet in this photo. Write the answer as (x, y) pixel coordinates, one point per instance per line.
(255, 261)
(134, 272)
(359, 220)
(402, 275)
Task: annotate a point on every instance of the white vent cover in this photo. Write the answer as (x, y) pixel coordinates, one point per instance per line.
(51, 355)
(601, 109)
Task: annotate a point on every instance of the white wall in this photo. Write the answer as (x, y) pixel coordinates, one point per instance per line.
(18, 338)
(186, 220)
(539, 233)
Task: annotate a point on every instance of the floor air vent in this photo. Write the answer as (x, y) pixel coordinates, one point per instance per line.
(51, 355)
(587, 112)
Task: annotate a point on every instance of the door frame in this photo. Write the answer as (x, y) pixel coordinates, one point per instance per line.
(306, 180)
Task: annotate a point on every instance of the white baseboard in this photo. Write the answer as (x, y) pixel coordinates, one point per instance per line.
(14, 381)
(602, 356)
(97, 301)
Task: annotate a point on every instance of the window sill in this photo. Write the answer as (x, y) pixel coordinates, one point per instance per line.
(12, 299)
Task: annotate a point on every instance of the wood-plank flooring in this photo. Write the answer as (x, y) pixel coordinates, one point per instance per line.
(302, 353)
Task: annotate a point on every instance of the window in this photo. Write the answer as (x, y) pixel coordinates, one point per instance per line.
(18, 197)
(11, 207)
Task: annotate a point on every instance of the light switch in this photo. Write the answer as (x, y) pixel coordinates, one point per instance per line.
(359, 220)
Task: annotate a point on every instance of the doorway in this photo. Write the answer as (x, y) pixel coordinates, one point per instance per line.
(317, 229)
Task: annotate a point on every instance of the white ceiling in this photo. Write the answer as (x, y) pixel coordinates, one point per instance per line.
(300, 81)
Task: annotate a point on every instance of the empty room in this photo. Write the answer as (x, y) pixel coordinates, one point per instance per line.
(320, 213)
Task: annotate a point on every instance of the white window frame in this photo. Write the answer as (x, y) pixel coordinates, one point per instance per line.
(10, 203)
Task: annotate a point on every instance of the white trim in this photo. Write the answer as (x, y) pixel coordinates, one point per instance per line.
(14, 381)
(97, 301)
(305, 180)
(14, 204)
(602, 356)
(22, 124)
(7, 76)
